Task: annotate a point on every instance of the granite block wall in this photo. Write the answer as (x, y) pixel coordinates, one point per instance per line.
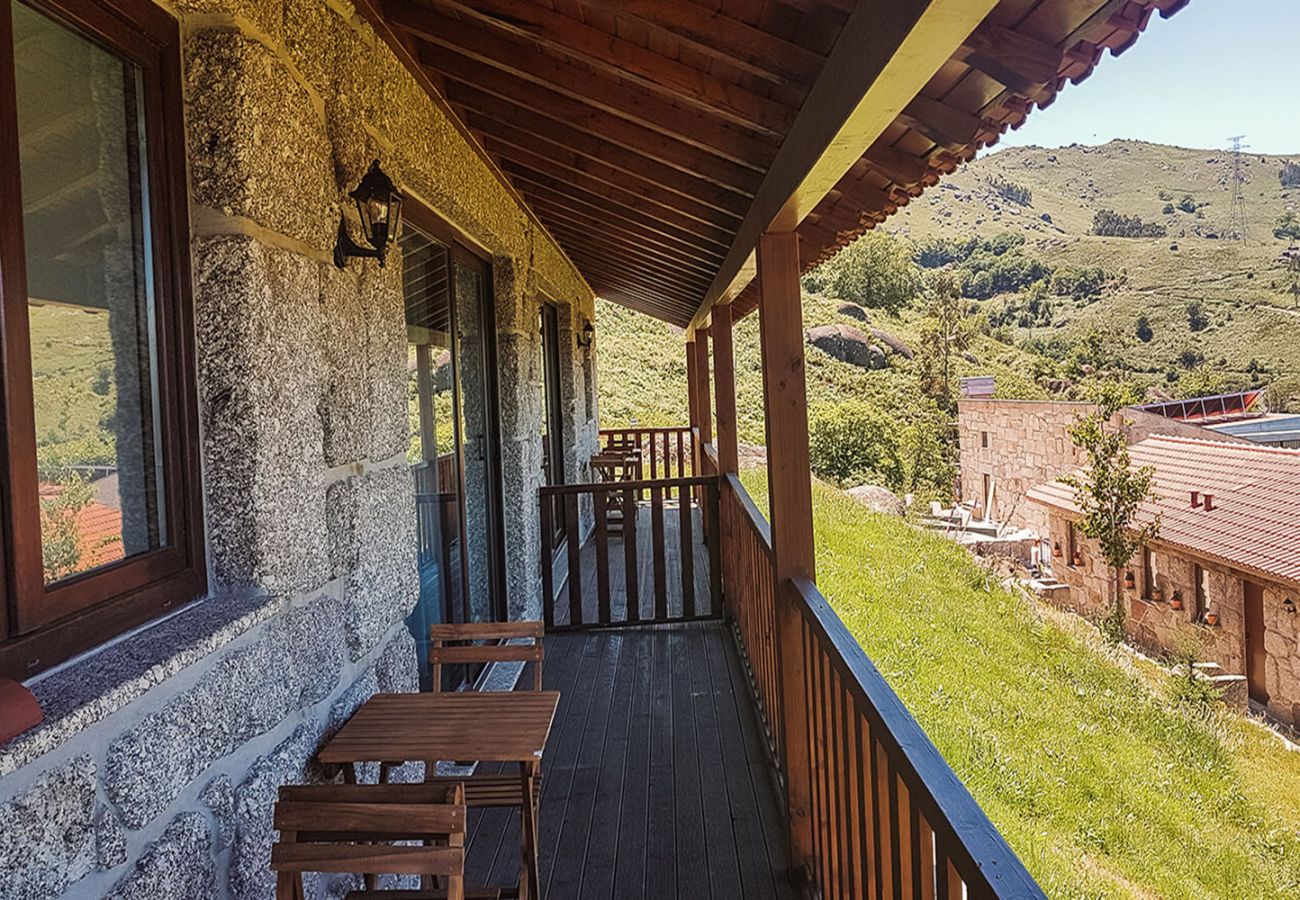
(1157, 627)
(155, 771)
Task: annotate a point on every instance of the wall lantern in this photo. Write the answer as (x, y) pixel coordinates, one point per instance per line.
(587, 335)
(1289, 605)
(379, 204)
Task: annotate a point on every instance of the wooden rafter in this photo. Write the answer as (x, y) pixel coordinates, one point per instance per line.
(468, 51)
(612, 55)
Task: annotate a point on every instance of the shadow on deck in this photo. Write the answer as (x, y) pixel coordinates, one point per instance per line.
(655, 779)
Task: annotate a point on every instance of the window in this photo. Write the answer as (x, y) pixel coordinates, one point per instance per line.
(984, 439)
(1149, 572)
(100, 425)
(1201, 587)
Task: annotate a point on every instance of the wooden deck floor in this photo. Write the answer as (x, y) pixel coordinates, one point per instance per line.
(655, 780)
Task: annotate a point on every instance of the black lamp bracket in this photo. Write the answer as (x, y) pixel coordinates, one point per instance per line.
(345, 247)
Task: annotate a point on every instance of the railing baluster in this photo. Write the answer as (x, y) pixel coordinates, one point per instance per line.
(714, 529)
(686, 525)
(657, 548)
(600, 504)
(575, 558)
(548, 562)
(631, 558)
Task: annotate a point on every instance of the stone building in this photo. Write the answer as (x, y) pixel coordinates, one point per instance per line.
(160, 753)
(1221, 580)
(1009, 446)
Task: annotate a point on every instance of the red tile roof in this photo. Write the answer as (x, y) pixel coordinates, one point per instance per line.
(1255, 520)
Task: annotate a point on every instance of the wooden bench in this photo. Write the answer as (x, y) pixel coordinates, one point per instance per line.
(351, 829)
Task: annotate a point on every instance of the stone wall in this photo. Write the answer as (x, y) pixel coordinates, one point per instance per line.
(154, 773)
(1157, 627)
(1022, 443)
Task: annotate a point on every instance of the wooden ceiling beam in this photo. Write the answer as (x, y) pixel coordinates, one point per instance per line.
(864, 196)
(471, 52)
(517, 126)
(887, 51)
(722, 37)
(1017, 61)
(644, 279)
(903, 169)
(946, 125)
(685, 255)
(596, 176)
(625, 59)
(640, 262)
(625, 207)
(559, 119)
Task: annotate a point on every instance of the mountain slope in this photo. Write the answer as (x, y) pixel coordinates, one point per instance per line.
(1243, 286)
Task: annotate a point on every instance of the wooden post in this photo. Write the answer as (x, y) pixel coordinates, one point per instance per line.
(785, 403)
(692, 400)
(724, 377)
(703, 406)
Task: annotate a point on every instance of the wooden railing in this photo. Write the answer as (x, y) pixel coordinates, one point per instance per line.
(747, 582)
(888, 817)
(665, 452)
(639, 564)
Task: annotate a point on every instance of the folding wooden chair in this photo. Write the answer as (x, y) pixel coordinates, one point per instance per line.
(351, 828)
(459, 645)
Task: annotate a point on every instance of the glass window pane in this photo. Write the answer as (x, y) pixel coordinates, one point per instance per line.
(90, 298)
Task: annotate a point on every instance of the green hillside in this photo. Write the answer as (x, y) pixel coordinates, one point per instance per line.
(1107, 776)
(1243, 286)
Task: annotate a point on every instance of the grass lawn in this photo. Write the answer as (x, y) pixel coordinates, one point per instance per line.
(1104, 787)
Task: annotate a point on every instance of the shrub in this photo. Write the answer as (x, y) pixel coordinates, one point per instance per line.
(1197, 318)
(1188, 204)
(875, 271)
(1081, 283)
(1144, 330)
(1010, 191)
(1109, 223)
(1168, 209)
(1289, 174)
(1287, 227)
(853, 442)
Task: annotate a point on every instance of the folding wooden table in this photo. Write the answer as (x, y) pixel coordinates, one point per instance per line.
(505, 726)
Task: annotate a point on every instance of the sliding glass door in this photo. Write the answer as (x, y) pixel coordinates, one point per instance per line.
(454, 453)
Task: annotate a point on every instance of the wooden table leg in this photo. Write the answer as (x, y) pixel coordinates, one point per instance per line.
(529, 882)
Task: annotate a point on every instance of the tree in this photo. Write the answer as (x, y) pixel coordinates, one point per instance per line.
(946, 332)
(1108, 494)
(1287, 227)
(61, 543)
(1197, 318)
(874, 271)
(1293, 271)
(855, 442)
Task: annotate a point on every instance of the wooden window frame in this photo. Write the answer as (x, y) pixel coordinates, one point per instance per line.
(42, 625)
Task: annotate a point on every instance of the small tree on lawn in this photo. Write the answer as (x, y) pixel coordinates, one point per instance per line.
(1108, 494)
(947, 332)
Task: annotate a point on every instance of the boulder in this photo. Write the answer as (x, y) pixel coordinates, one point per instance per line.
(893, 343)
(847, 344)
(878, 499)
(852, 310)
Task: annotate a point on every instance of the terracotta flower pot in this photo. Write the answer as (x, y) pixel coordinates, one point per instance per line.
(1177, 603)
(1077, 560)
(1129, 581)
(1211, 619)
(1157, 595)
(1056, 551)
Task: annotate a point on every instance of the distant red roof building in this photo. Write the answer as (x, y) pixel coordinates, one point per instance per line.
(99, 528)
(1254, 517)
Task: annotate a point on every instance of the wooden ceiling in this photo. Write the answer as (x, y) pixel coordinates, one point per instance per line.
(651, 137)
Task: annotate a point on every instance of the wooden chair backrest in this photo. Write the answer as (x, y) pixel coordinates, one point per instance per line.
(454, 645)
(344, 828)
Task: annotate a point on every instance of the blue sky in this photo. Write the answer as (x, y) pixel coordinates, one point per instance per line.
(1218, 68)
